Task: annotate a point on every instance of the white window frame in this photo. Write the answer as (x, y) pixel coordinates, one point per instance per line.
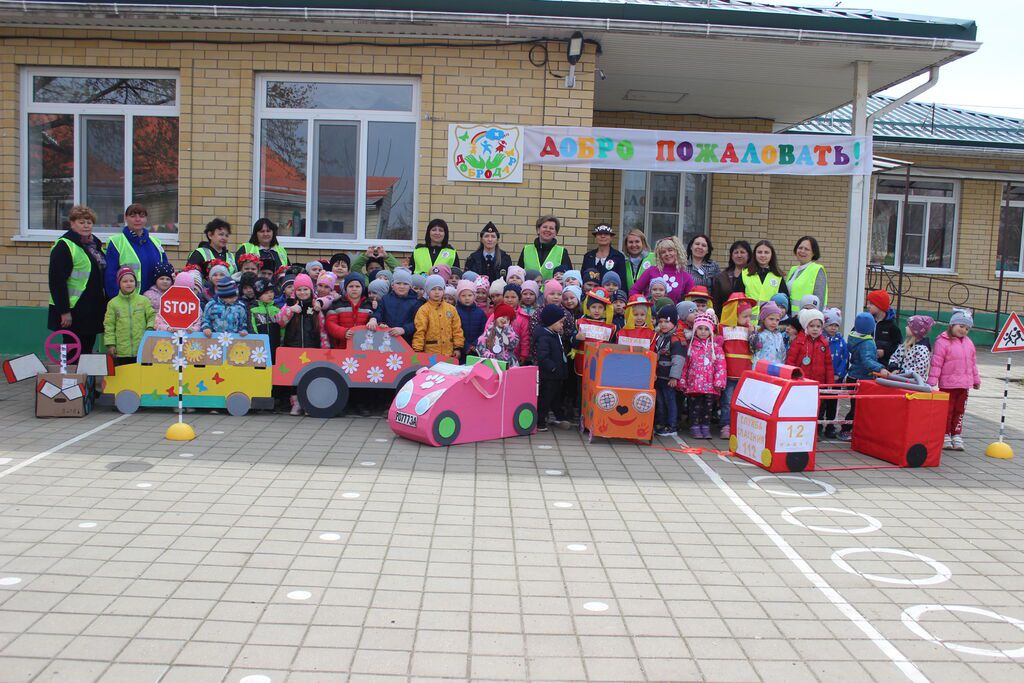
(1013, 203)
(680, 223)
(128, 111)
(363, 117)
(927, 201)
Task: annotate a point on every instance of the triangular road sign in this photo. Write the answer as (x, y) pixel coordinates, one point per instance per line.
(1011, 337)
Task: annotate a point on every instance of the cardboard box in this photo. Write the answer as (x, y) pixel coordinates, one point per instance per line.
(60, 395)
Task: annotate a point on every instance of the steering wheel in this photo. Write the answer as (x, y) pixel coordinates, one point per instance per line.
(910, 381)
(52, 348)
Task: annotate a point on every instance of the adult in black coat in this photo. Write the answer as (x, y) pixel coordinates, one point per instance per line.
(77, 256)
(605, 257)
(489, 260)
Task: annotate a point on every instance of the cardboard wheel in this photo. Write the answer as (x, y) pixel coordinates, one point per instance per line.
(237, 404)
(524, 419)
(126, 402)
(916, 455)
(797, 462)
(446, 428)
(322, 392)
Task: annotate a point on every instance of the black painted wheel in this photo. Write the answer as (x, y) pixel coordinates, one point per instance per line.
(916, 455)
(322, 392)
(797, 462)
(446, 428)
(524, 419)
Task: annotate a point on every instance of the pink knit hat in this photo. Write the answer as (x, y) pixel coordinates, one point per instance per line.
(515, 270)
(465, 286)
(303, 280)
(552, 285)
(328, 278)
(482, 283)
(704, 320)
(531, 286)
(184, 279)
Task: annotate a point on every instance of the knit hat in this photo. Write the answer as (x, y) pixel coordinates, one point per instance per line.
(881, 300)
(511, 287)
(611, 276)
(497, 287)
(503, 310)
(592, 275)
(704, 320)
(449, 291)
(313, 264)
(245, 279)
(515, 270)
(572, 275)
(684, 309)
(226, 287)
(267, 264)
(197, 281)
(550, 314)
(532, 274)
(552, 285)
(303, 280)
(864, 323)
(433, 282)
(469, 275)
(217, 272)
(809, 300)
(262, 285)
(482, 284)
(490, 227)
(698, 292)
(418, 281)
(559, 269)
(781, 300)
(920, 325)
(574, 290)
(743, 306)
(341, 256)
(330, 279)
(620, 295)
(657, 280)
(163, 269)
(661, 302)
(456, 272)
(184, 279)
(464, 286)
(770, 308)
(122, 271)
(962, 317)
(384, 274)
(351, 277)
(833, 316)
(806, 315)
(402, 276)
(531, 286)
(668, 313)
(442, 270)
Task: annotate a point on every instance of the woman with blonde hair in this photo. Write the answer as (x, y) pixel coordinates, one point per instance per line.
(670, 267)
(639, 256)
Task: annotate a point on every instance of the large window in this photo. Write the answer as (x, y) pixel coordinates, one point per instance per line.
(664, 204)
(1011, 226)
(337, 159)
(104, 139)
(925, 237)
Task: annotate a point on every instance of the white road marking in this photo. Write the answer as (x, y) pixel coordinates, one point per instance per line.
(912, 614)
(595, 606)
(908, 668)
(827, 489)
(942, 572)
(790, 515)
(37, 458)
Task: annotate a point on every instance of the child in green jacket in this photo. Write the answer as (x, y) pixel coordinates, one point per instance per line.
(263, 314)
(129, 315)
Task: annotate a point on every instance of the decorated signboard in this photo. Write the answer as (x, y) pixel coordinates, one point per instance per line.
(617, 399)
(450, 404)
(485, 153)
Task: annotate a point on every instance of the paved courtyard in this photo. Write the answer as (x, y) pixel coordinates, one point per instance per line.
(277, 549)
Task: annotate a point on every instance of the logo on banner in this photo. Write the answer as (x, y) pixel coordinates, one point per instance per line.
(490, 153)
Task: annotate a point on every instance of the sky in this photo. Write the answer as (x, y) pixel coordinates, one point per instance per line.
(988, 80)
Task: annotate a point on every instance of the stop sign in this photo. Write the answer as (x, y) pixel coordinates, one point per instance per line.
(179, 307)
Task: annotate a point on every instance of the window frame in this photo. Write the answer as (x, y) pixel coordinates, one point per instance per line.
(1016, 204)
(363, 118)
(681, 221)
(28, 107)
(927, 201)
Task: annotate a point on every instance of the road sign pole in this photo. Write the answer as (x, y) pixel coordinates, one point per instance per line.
(1006, 392)
(1009, 339)
(181, 380)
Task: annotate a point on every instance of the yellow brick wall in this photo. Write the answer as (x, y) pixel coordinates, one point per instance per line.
(217, 90)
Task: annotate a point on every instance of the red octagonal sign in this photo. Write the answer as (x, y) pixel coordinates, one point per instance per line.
(179, 307)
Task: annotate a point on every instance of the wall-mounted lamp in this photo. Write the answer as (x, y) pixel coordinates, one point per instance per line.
(572, 54)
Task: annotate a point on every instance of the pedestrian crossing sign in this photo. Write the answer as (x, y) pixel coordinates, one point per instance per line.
(1011, 337)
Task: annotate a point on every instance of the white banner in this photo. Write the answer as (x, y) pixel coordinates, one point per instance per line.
(690, 152)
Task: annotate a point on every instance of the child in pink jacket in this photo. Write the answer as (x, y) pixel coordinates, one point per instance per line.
(955, 370)
(703, 374)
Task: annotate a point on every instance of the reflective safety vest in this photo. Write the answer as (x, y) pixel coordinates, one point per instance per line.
(531, 259)
(229, 258)
(761, 292)
(127, 256)
(81, 267)
(422, 264)
(250, 248)
(804, 285)
(631, 277)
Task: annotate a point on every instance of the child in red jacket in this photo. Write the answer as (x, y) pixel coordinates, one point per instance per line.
(348, 311)
(810, 350)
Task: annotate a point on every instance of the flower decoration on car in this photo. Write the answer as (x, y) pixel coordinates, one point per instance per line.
(194, 352)
(258, 355)
(375, 374)
(215, 352)
(394, 362)
(349, 365)
(224, 338)
(179, 363)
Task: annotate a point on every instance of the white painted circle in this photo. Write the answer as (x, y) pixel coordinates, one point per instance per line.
(595, 606)
(186, 455)
(911, 615)
(10, 581)
(4, 461)
(367, 463)
(736, 461)
(942, 572)
(217, 432)
(350, 494)
(144, 485)
(299, 595)
(789, 514)
(562, 504)
(255, 678)
(330, 537)
(826, 488)
(381, 440)
(554, 473)
(545, 447)
(576, 547)
(87, 525)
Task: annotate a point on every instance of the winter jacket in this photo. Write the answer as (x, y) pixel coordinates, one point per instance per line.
(398, 311)
(769, 346)
(498, 344)
(704, 369)
(568, 331)
(522, 327)
(863, 359)
(438, 329)
(841, 355)
(813, 357)
(263, 320)
(302, 329)
(550, 355)
(614, 263)
(678, 280)
(473, 320)
(127, 318)
(954, 363)
(342, 316)
(916, 359)
(153, 294)
(671, 355)
(87, 315)
(498, 267)
(888, 336)
(221, 317)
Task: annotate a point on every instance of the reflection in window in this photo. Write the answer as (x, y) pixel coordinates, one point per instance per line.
(337, 164)
(155, 170)
(103, 168)
(390, 157)
(283, 174)
(664, 204)
(85, 90)
(921, 234)
(51, 169)
(359, 96)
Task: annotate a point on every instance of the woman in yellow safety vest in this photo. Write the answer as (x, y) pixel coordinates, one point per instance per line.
(809, 276)
(639, 256)
(77, 301)
(215, 246)
(435, 250)
(545, 254)
(263, 243)
(763, 279)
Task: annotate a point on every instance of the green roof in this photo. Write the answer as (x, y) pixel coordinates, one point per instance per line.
(723, 12)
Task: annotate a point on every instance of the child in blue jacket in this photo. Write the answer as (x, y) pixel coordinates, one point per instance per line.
(864, 362)
(840, 364)
(397, 309)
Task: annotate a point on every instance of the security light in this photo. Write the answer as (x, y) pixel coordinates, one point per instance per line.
(575, 49)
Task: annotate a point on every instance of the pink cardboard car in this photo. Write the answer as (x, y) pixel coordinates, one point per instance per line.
(448, 404)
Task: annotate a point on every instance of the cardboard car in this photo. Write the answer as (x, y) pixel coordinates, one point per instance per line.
(618, 391)
(62, 389)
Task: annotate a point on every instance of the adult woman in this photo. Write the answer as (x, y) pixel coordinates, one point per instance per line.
(489, 259)
(809, 277)
(639, 256)
(77, 301)
(605, 258)
(545, 253)
(435, 250)
(670, 267)
(730, 280)
(763, 279)
(215, 246)
(701, 267)
(263, 243)
(135, 248)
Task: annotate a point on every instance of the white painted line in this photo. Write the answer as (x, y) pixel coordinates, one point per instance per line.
(217, 432)
(942, 572)
(300, 595)
(562, 504)
(912, 614)
(576, 547)
(554, 473)
(381, 440)
(827, 489)
(36, 458)
(350, 494)
(908, 668)
(367, 463)
(595, 606)
(10, 581)
(87, 525)
(144, 485)
(186, 455)
(330, 537)
(544, 447)
(255, 678)
(789, 514)
(4, 461)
